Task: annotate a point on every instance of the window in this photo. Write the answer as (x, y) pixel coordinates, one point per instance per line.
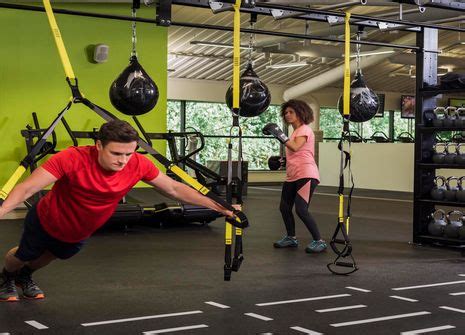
(214, 121)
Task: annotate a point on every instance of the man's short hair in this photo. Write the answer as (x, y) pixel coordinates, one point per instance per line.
(117, 131)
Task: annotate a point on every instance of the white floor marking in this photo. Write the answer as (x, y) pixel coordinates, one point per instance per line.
(403, 298)
(177, 329)
(258, 316)
(306, 331)
(358, 289)
(428, 285)
(453, 309)
(302, 300)
(139, 318)
(334, 194)
(383, 318)
(216, 304)
(427, 330)
(336, 309)
(36, 324)
(457, 293)
(461, 275)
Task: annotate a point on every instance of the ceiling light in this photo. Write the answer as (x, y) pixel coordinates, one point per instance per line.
(372, 53)
(219, 45)
(286, 65)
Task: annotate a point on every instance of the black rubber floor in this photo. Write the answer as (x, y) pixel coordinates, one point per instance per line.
(170, 281)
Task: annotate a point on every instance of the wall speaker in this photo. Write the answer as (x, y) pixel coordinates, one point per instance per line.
(101, 53)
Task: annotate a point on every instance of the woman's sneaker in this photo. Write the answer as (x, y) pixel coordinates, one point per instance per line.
(286, 242)
(316, 247)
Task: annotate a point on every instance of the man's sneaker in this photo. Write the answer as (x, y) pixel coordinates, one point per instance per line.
(286, 242)
(316, 247)
(25, 282)
(7, 288)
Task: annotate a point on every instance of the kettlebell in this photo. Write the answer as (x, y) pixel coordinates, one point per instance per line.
(438, 191)
(439, 116)
(450, 153)
(460, 158)
(462, 232)
(439, 153)
(460, 118)
(451, 189)
(455, 223)
(451, 115)
(437, 223)
(460, 195)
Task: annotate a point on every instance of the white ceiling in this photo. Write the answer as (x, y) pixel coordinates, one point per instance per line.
(214, 63)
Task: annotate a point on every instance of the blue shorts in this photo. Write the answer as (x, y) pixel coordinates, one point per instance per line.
(35, 241)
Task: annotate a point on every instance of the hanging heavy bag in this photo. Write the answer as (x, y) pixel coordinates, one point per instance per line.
(437, 223)
(439, 188)
(455, 223)
(254, 96)
(439, 153)
(450, 193)
(134, 92)
(363, 101)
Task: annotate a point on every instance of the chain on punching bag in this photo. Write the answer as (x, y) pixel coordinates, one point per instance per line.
(134, 92)
(255, 96)
(364, 102)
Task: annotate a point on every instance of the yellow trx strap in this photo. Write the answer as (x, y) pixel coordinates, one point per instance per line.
(237, 53)
(58, 40)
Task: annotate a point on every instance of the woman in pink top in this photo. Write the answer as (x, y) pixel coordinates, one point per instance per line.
(302, 176)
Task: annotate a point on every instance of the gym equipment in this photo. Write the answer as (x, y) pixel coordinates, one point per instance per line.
(460, 118)
(276, 163)
(438, 190)
(452, 80)
(364, 102)
(438, 155)
(380, 137)
(460, 191)
(451, 154)
(353, 137)
(405, 137)
(439, 116)
(450, 194)
(455, 223)
(344, 263)
(255, 95)
(451, 116)
(134, 92)
(437, 224)
(462, 232)
(274, 130)
(460, 158)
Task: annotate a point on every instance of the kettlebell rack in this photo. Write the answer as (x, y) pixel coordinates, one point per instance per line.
(432, 155)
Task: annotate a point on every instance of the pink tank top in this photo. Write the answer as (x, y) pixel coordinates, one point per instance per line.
(301, 164)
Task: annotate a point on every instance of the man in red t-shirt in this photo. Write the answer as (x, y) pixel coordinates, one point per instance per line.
(89, 181)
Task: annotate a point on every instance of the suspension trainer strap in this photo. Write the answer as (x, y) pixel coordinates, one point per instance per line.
(343, 222)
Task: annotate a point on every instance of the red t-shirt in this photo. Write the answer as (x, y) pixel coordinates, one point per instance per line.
(85, 195)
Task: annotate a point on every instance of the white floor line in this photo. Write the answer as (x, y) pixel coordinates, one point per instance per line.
(258, 316)
(427, 330)
(402, 298)
(334, 194)
(428, 285)
(302, 300)
(457, 293)
(36, 324)
(453, 309)
(139, 318)
(216, 304)
(336, 309)
(382, 318)
(305, 331)
(177, 329)
(357, 289)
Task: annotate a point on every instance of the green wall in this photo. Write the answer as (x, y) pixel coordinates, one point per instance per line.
(32, 78)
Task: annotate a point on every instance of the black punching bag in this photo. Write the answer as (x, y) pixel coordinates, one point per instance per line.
(134, 92)
(363, 101)
(254, 95)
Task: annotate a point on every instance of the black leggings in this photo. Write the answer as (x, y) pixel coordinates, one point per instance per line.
(290, 196)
